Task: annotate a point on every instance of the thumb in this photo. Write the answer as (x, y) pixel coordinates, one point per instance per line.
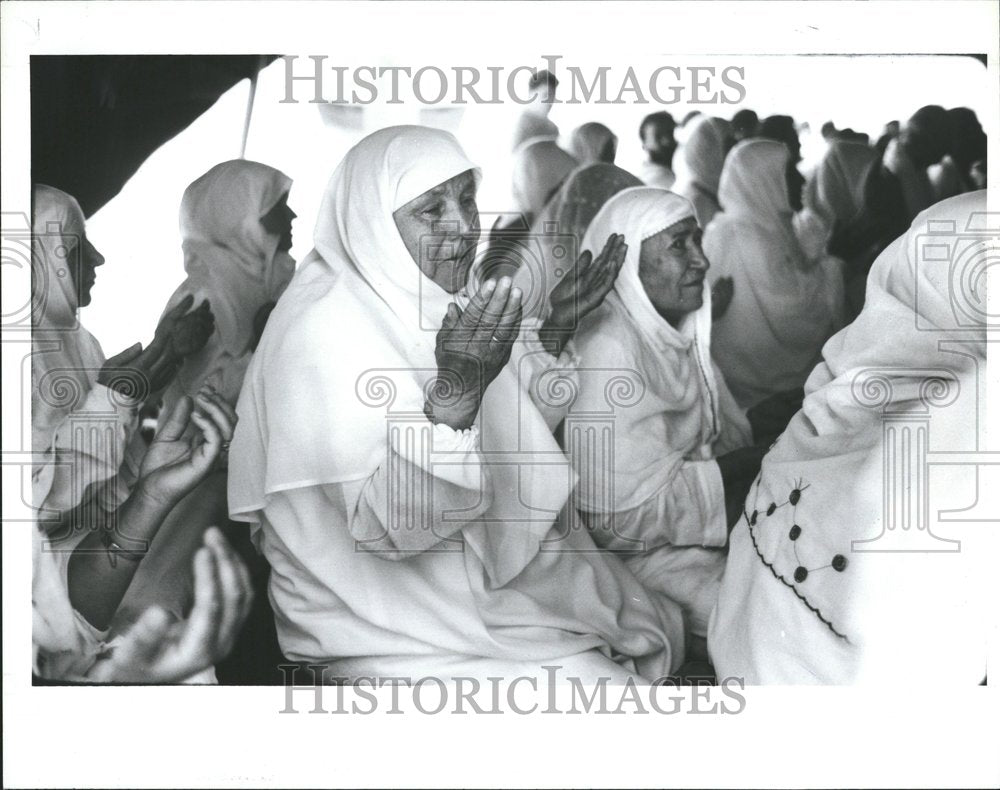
(177, 420)
(451, 316)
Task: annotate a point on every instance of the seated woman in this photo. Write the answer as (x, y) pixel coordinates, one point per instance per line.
(84, 408)
(844, 567)
(566, 216)
(704, 155)
(237, 230)
(665, 481)
(403, 484)
(784, 306)
(592, 143)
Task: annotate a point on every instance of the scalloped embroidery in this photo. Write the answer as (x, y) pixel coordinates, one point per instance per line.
(838, 563)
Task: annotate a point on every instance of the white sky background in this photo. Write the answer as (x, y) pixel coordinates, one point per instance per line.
(138, 230)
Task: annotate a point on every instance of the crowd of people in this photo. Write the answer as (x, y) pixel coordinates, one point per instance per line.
(426, 449)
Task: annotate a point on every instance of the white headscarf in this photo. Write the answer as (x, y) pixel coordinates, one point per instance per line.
(784, 306)
(357, 325)
(704, 155)
(801, 600)
(678, 371)
(539, 167)
(229, 257)
(66, 357)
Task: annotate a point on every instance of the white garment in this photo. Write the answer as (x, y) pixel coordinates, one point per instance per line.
(704, 154)
(539, 168)
(654, 174)
(655, 491)
(593, 142)
(784, 305)
(232, 261)
(832, 576)
(391, 538)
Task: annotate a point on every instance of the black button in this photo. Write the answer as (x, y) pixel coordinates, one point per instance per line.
(794, 496)
(794, 532)
(839, 562)
(771, 509)
(800, 574)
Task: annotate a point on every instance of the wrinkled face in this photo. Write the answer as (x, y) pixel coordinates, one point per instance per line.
(82, 264)
(672, 269)
(440, 229)
(658, 141)
(278, 222)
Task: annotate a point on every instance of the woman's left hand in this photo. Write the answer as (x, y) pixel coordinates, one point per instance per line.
(581, 291)
(177, 460)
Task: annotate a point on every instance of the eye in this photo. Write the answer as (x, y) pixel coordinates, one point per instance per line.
(433, 210)
(678, 244)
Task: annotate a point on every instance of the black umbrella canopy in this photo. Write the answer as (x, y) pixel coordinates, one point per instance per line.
(96, 118)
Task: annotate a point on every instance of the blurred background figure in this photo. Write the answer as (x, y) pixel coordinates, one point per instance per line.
(746, 124)
(539, 168)
(534, 120)
(784, 306)
(956, 173)
(593, 142)
(704, 155)
(658, 141)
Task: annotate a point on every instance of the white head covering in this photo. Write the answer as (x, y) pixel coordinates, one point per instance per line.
(66, 357)
(704, 154)
(803, 599)
(358, 325)
(784, 306)
(836, 189)
(539, 167)
(229, 257)
(678, 371)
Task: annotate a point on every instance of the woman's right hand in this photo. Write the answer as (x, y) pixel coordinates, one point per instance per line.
(473, 346)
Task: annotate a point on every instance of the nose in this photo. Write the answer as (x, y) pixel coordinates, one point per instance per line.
(699, 261)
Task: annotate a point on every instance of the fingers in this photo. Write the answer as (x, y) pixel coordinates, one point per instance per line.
(218, 411)
(197, 643)
(509, 326)
(237, 592)
(477, 306)
(493, 312)
(176, 312)
(211, 448)
(135, 655)
(177, 421)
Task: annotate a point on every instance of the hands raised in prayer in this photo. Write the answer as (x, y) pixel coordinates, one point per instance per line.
(138, 372)
(178, 458)
(472, 348)
(157, 650)
(722, 296)
(581, 291)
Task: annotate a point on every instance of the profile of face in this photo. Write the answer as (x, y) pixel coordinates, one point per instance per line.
(83, 260)
(278, 222)
(659, 142)
(672, 270)
(440, 230)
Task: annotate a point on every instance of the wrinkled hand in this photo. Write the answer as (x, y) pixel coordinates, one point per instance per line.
(739, 468)
(473, 346)
(722, 296)
(178, 458)
(157, 650)
(583, 288)
(770, 417)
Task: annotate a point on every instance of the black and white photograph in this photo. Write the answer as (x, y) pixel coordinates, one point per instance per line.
(479, 394)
